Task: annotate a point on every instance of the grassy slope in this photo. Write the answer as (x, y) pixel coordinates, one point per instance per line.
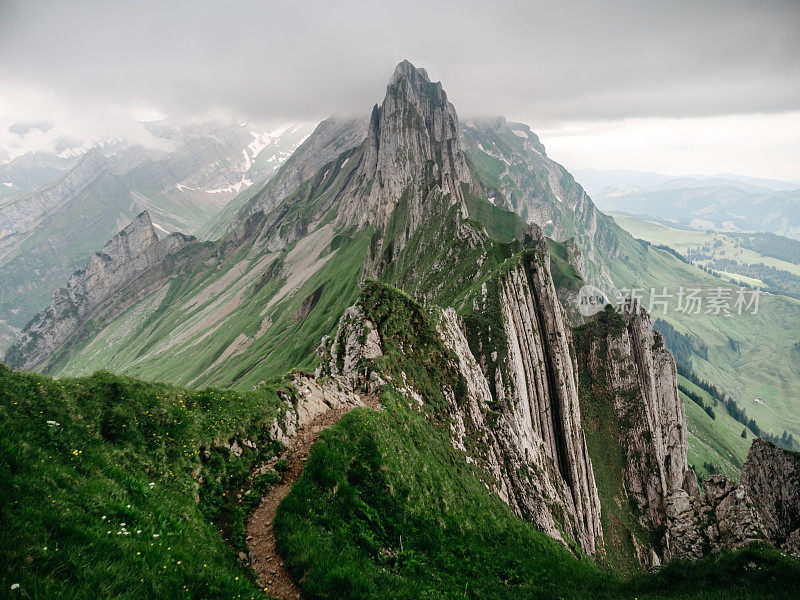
(243, 315)
(387, 507)
(404, 512)
(188, 308)
(683, 240)
(63, 243)
(748, 355)
(82, 461)
(717, 441)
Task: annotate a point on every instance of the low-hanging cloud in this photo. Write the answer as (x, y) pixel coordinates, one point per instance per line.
(90, 65)
(552, 61)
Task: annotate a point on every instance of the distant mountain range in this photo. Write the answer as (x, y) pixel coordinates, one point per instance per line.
(719, 203)
(56, 209)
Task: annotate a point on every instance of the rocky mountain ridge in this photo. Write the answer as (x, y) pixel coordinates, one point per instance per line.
(193, 171)
(530, 401)
(19, 217)
(132, 252)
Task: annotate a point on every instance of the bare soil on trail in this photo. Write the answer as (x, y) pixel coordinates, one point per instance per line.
(268, 565)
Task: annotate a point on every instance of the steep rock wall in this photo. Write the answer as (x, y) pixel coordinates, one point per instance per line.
(132, 252)
(536, 390)
(520, 420)
(722, 519)
(627, 370)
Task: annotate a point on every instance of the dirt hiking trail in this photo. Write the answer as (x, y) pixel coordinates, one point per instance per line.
(269, 567)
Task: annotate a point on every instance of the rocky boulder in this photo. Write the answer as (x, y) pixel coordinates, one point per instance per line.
(722, 519)
(772, 478)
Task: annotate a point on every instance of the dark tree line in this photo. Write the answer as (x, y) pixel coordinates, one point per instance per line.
(776, 281)
(682, 347)
(698, 400)
(786, 440)
(769, 244)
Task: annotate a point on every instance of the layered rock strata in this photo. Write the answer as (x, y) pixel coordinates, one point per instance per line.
(92, 289)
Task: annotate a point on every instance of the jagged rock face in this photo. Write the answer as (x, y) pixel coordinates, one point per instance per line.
(536, 389)
(412, 155)
(626, 361)
(413, 146)
(128, 254)
(524, 476)
(765, 506)
(723, 519)
(525, 413)
(772, 478)
(577, 255)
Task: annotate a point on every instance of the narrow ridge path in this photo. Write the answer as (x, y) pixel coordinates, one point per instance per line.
(268, 565)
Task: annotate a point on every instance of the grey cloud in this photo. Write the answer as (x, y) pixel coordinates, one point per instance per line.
(546, 61)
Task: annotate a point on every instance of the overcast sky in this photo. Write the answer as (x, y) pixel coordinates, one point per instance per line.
(675, 87)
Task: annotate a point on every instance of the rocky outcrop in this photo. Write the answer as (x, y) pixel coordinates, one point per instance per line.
(536, 390)
(133, 251)
(356, 340)
(627, 368)
(313, 398)
(765, 506)
(771, 476)
(722, 519)
(523, 475)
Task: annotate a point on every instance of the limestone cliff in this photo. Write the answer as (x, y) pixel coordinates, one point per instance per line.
(765, 506)
(518, 420)
(722, 519)
(533, 378)
(132, 252)
(630, 400)
(771, 476)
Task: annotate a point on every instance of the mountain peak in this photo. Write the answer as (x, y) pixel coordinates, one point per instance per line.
(415, 125)
(406, 70)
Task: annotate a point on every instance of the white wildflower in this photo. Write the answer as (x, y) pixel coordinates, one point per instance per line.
(155, 535)
(14, 586)
(53, 423)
